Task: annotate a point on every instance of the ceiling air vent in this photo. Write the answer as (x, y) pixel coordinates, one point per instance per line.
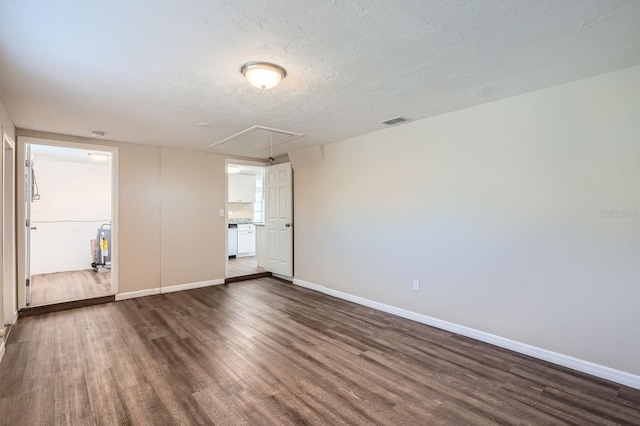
(396, 120)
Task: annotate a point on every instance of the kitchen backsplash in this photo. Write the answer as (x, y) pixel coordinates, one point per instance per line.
(240, 211)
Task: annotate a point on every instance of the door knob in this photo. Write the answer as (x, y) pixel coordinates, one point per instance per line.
(288, 225)
(33, 228)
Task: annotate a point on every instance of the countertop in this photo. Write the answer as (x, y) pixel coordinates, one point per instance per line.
(245, 222)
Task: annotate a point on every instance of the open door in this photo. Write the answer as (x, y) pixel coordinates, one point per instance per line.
(28, 198)
(279, 219)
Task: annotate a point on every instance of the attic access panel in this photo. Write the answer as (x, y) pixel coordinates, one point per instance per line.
(254, 139)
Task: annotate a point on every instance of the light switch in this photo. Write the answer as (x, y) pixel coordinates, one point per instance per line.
(221, 213)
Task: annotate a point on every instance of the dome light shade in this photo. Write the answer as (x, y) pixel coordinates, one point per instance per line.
(263, 75)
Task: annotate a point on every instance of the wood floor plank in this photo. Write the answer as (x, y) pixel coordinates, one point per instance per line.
(181, 406)
(47, 289)
(266, 352)
(33, 407)
(107, 400)
(71, 400)
(12, 379)
(239, 266)
(221, 407)
(145, 407)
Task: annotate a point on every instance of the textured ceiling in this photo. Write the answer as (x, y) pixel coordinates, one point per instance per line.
(148, 71)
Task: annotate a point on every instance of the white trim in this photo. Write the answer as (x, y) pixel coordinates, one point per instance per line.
(169, 289)
(190, 286)
(292, 136)
(21, 236)
(115, 220)
(310, 286)
(8, 256)
(1, 349)
(8, 140)
(139, 293)
(597, 370)
(245, 254)
(287, 278)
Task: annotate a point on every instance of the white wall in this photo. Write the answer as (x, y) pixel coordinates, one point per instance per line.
(193, 234)
(496, 209)
(151, 204)
(78, 194)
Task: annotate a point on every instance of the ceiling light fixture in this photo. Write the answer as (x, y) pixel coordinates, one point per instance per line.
(233, 169)
(263, 75)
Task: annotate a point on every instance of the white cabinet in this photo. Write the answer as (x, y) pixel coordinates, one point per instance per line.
(242, 189)
(246, 240)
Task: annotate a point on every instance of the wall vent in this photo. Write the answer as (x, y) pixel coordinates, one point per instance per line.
(396, 120)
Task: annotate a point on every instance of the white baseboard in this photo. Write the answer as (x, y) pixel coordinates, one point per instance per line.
(245, 254)
(190, 286)
(597, 370)
(169, 289)
(310, 286)
(1, 349)
(139, 293)
(282, 277)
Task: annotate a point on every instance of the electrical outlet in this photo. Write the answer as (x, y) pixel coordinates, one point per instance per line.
(416, 285)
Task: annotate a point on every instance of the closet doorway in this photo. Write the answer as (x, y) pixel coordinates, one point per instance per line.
(69, 211)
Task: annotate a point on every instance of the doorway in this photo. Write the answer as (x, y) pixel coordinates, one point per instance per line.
(260, 221)
(69, 210)
(245, 219)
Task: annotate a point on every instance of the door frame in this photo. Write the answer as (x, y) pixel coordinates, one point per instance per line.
(8, 247)
(228, 161)
(20, 203)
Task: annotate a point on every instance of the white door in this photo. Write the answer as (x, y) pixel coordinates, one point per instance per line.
(28, 194)
(279, 219)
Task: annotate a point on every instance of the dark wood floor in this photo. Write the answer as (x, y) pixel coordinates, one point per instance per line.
(240, 266)
(266, 352)
(47, 289)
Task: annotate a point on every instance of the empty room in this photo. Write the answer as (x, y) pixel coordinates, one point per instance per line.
(320, 212)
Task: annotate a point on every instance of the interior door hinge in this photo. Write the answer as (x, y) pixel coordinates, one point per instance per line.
(28, 282)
